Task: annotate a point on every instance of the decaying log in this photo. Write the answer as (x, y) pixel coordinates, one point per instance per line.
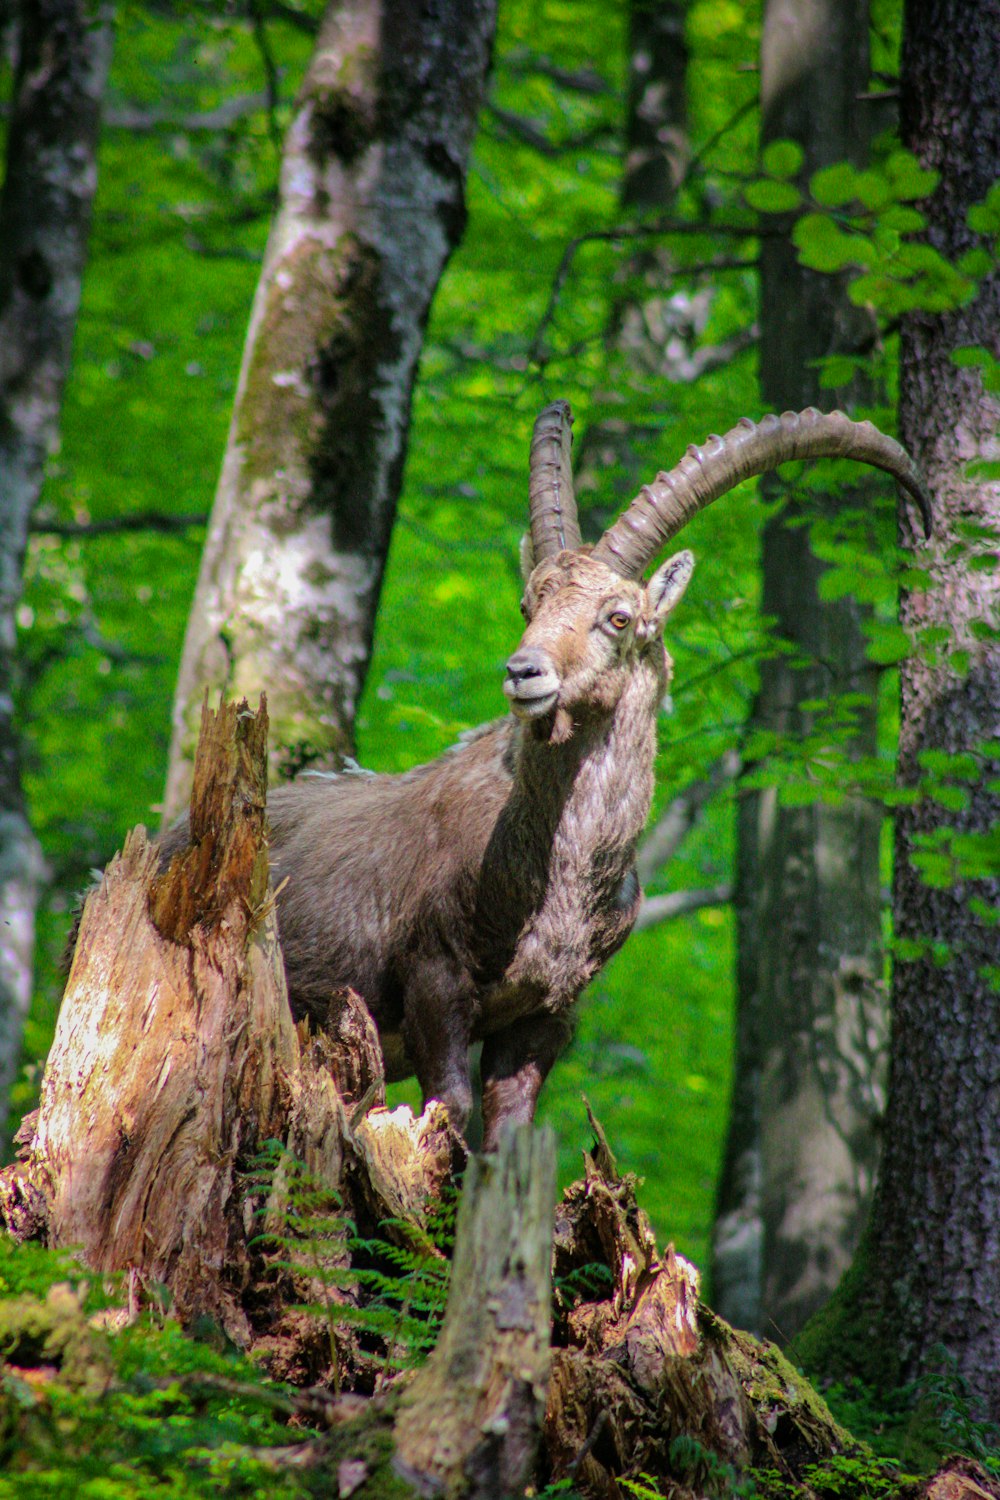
(645, 1362)
(173, 1045)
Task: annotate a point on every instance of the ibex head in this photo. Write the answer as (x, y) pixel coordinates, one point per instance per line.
(589, 614)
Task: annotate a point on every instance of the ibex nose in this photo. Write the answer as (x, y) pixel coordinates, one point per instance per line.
(525, 664)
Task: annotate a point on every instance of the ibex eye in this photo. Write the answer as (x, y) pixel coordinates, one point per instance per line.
(620, 620)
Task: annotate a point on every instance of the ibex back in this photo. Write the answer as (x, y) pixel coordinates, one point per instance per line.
(475, 897)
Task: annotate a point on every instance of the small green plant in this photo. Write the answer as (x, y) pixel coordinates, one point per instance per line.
(945, 1411)
(862, 1476)
(391, 1289)
(697, 1465)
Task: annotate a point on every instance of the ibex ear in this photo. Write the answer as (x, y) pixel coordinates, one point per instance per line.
(669, 582)
(527, 557)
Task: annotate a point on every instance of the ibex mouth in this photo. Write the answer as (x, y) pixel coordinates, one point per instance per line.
(531, 700)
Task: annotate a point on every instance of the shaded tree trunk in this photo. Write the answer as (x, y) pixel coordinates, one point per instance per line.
(372, 204)
(927, 1277)
(64, 49)
(473, 1416)
(801, 1149)
(656, 150)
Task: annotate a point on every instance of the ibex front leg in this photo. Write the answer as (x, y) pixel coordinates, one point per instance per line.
(437, 1013)
(515, 1064)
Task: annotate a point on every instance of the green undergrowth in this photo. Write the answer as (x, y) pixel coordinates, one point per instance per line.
(109, 1412)
(95, 1413)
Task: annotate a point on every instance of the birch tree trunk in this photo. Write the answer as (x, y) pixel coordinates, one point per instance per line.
(927, 1276)
(64, 49)
(802, 1148)
(372, 205)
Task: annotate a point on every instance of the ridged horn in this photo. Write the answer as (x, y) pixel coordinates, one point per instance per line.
(554, 524)
(704, 474)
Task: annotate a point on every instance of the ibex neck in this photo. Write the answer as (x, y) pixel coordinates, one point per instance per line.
(596, 787)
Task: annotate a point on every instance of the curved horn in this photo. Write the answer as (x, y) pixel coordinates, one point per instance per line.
(554, 524)
(662, 508)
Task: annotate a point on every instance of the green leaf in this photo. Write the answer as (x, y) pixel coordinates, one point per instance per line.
(769, 197)
(909, 950)
(889, 643)
(823, 246)
(838, 369)
(977, 262)
(970, 355)
(782, 158)
(834, 186)
(954, 798)
(902, 218)
(873, 189)
(984, 218)
(909, 179)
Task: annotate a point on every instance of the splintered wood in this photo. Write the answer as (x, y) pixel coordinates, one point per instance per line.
(174, 1043)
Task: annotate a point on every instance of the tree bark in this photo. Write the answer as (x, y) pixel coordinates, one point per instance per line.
(802, 1148)
(928, 1274)
(471, 1421)
(372, 204)
(64, 49)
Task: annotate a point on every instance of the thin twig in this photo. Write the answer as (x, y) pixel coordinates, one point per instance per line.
(656, 909)
(225, 115)
(624, 232)
(578, 80)
(271, 74)
(532, 134)
(141, 520)
(734, 119)
(592, 1436)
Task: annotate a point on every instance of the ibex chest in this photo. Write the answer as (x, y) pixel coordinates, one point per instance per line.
(557, 950)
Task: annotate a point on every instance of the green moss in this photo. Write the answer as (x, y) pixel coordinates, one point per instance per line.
(368, 1440)
(773, 1383)
(847, 1337)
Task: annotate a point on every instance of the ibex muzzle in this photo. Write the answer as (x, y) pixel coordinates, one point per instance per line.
(531, 683)
(475, 897)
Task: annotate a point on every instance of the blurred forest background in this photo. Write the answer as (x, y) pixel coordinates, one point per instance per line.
(624, 279)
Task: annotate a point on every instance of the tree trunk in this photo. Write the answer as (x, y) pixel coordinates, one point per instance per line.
(48, 190)
(372, 204)
(927, 1278)
(801, 1152)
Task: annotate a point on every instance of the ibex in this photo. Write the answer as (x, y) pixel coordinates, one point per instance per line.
(475, 897)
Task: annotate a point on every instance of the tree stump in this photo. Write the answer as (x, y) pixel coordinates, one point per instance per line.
(176, 1058)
